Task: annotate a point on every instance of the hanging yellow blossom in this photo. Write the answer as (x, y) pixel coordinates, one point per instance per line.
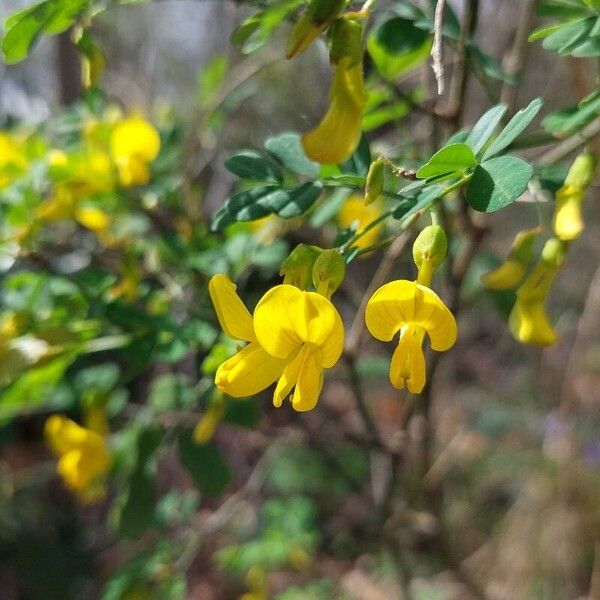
(337, 135)
(511, 272)
(304, 331)
(528, 321)
(134, 143)
(252, 369)
(568, 220)
(413, 310)
(84, 458)
(354, 211)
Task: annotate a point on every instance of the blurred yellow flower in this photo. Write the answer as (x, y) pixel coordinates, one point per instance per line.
(305, 331)
(207, 425)
(252, 369)
(354, 211)
(511, 272)
(337, 135)
(568, 222)
(12, 159)
(414, 310)
(84, 458)
(528, 321)
(134, 143)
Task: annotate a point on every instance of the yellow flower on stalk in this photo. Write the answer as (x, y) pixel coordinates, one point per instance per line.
(511, 272)
(84, 458)
(568, 222)
(354, 211)
(528, 321)
(336, 137)
(413, 310)
(252, 369)
(134, 144)
(305, 332)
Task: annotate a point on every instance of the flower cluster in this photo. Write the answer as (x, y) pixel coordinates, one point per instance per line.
(295, 334)
(528, 320)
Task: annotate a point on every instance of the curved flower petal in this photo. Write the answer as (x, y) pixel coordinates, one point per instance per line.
(568, 222)
(286, 317)
(134, 136)
(64, 435)
(337, 135)
(403, 302)
(407, 367)
(288, 378)
(529, 323)
(250, 371)
(310, 380)
(505, 277)
(233, 316)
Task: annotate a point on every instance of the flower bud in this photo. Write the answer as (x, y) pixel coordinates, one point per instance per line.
(297, 268)
(429, 251)
(554, 253)
(375, 181)
(582, 171)
(510, 273)
(313, 22)
(328, 272)
(568, 221)
(346, 41)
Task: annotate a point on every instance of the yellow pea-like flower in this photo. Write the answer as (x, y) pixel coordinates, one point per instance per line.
(134, 143)
(512, 271)
(304, 331)
(83, 457)
(413, 310)
(528, 321)
(568, 221)
(337, 135)
(354, 211)
(252, 369)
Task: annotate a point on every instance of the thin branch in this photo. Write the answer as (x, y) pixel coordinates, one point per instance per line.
(571, 144)
(437, 47)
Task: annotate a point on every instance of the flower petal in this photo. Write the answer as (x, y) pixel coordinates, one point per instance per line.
(286, 317)
(529, 324)
(403, 302)
(288, 378)
(250, 371)
(337, 135)
(407, 367)
(310, 380)
(233, 316)
(64, 435)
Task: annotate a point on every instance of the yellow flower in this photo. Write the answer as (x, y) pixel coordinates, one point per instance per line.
(568, 222)
(134, 143)
(305, 331)
(337, 135)
(12, 159)
(251, 370)
(511, 272)
(83, 456)
(414, 310)
(528, 321)
(207, 425)
(354, 211)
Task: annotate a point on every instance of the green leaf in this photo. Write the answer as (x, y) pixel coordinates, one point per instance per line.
(205, 464)
(411, 206)
(287, 148)
(299, 200)
(360, 161)
(247, 205)
(568, 120)
(248, 164)
(488, 64)
(498, 182)
(210, 79)
(397, 45)
(256, 31)
(514, 128)
(485, 127)
(452, 158)
(22, 29)
(568, 37)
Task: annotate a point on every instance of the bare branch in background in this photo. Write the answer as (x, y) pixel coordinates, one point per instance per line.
(436, 49)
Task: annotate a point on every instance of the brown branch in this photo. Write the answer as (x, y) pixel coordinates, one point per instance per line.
(437, 47)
